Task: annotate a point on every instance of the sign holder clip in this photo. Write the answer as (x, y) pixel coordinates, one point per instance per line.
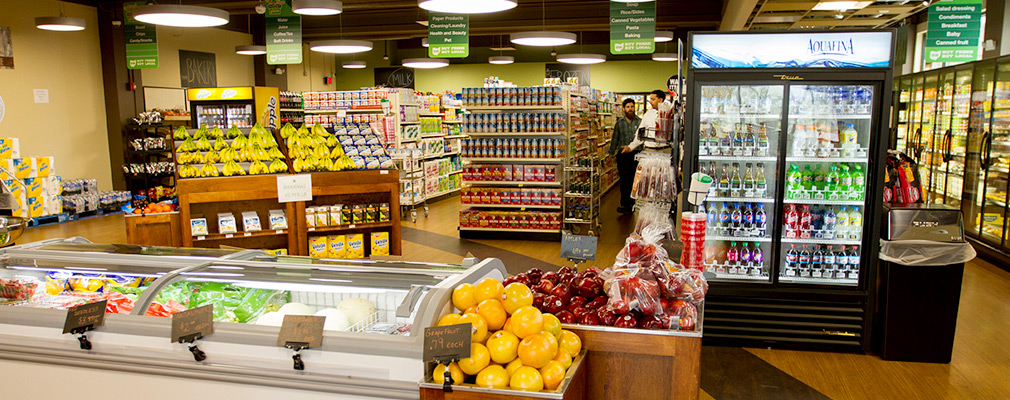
(198, 354)
(82, 336)
(447, 383)
(299, 365)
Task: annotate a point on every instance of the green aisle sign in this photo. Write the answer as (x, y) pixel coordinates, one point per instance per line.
(953, 33)
(284, 34)
(632, 28)
(448, 35)
(141, 40)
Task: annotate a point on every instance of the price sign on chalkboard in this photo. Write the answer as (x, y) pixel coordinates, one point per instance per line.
(85, 317)
(578, 247)
(193, 324)
(447, 342)
(304, 330)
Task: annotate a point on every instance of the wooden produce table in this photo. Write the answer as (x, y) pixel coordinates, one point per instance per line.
(574, 388)
(238, 194)
(640, 364)
(161, 229)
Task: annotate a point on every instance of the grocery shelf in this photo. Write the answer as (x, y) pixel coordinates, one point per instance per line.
(349, 111)
(578, 169)
(339, 228)
(408, 140)
(442, 193)
(524, 206)
(410, 123)
(579, 195)
(826, 202)
(510, 230)
(831, 116)
(828, 159)
(793, 279)
(512, 159)
(240, 235)
(738, 238)
(514, 133)
(432, 135)
(737, 158)
(496, 108)
(292, 110)
(824, 241)
(428, 157)
(577, 221)
(741, 199)
(723, 275)
(411, 104)
(514, 183)
(452, 122)
(455, 137)
(741, 115)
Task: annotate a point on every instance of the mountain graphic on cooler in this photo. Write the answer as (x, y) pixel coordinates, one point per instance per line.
(202, 94)
(618, 47)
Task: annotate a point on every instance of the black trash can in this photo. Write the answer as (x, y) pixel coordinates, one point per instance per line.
(919, 282)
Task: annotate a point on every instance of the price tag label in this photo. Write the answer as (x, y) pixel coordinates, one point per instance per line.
(247, 234)
(352, 226)
(85, 316)
(447, 342)
(291, 188)
(279, 231)
(201, 238)
(312, 229)
(193, 324)
(302, 329)
(578, 247)
(384, 172)
(229, 236)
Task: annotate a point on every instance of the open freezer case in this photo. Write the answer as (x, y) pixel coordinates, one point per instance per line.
(372, 346)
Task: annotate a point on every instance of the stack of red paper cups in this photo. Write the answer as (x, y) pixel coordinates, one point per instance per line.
(692, 234)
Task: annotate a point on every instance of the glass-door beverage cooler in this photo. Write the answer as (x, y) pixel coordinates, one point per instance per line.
(792, 128)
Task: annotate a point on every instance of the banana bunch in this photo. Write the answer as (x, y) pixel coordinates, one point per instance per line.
(180, 134)
(188, 145)
(188, 171)
(288, 130)
(278, 166)
(299, 165)
(215, 133)
(321, 152)
(228, 155)
(331, 141)
(200, 133)
(259, 154)
(319, 130)
(234, 132)
(337, 152)
(232, 168)
(345, 164)
(220, 144)
(183, 158)
(208, 170)
(212, 157)
(204, 144)
(258, 168)
(275, 154)
(239, 142)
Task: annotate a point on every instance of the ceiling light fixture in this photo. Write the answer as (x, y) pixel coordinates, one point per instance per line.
(664, 56)
(251, 50)
(340, 46)
(542, 38)
(60, 24)
(354, 64)
(425, 63)
(664, 36)
(467, 6)
(834, 5)
(501, 60)
(317, 7)
(582, 58)
(180, 15)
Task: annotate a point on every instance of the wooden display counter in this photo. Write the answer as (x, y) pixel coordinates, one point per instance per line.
(206, 197)
(161, 229)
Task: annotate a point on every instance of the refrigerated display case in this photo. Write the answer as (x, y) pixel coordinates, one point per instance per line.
(240, 107)
(793, 257)
(375, 316)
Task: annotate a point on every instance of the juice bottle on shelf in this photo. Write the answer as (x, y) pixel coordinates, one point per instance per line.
(824, 144)
(806, 220)
(726, 143)
(792, 222)
(842, 226)
(760, 184)
(760, 220)
(762, 142)
(736, 219)
(855, 224)
(748, 181)
(850, 140)
(793, 181)
(703, 147)
(713, 190)
(724, 181)
(737, 143)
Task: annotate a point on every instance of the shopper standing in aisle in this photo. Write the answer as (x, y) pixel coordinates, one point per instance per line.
(624, 134)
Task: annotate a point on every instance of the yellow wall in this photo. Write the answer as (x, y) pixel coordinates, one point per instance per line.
(308, 77)
(456, 77)
(232, 69)
(72, 126)
(632, 76)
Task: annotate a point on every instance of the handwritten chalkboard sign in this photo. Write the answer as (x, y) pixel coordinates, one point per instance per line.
(197, 69)
(577, 247)
(193, 324)
(447, 342)
(85, 317)
(565, 71)
(307, 331)
(396, 77)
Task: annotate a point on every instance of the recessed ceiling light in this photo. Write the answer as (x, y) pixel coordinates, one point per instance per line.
(60, 24)
(664, 56)
(664, 36)
(424, 42)
(467, 6)
(354, 64)
(181, 16)
(251, 50)
(582, 58)
(501, 60)
(317, 7)
(834, 5)
(543, 38)
(340, 46)
(425, 63)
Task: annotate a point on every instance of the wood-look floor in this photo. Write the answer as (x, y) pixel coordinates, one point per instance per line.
(979, 369)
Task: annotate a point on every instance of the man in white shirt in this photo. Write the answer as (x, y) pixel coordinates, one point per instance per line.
(656, 100)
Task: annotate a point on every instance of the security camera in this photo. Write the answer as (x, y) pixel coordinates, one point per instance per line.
(279, 71)
(261, 9)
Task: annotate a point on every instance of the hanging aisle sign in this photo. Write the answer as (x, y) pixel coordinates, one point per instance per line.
(632, 27)
(141, 40)
(284, 34)
(953, 34)
(448, 35)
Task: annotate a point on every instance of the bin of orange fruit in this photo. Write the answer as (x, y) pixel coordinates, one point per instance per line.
(514, 346)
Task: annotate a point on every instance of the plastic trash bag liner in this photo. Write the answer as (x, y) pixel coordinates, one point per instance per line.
(925, 252)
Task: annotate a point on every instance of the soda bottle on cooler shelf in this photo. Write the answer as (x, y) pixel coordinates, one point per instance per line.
(807, 177)
(842, 224)
(855, 224)
(760, 183)
(748, 220)
(850, 140)
(757, 257)
(760, 220)
(736, 218)
(828, 260)
(745, 257)
(858, 183)
(816, 262)
(830, 220)
(735, 182)
(853, 257)
(804, 261)
(818, 178)
(732, 255)
(845, 183)
(748, 181)
(792, 257)
(724, 220)
(762, 142)
(712, 219)
(832, 179)
(793, 181)
(806, 220)
(792, 222)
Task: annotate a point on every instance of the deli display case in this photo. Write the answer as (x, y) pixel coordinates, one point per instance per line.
(375, 313)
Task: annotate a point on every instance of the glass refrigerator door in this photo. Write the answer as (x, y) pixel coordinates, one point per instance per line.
(941, 138)
(904, 110)
(826, 164)
(740, 128)
(211, 115)
(240, 116)
(928, 159)
(957, 152)
(998, 155)
(978, 207)
(914, 147)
